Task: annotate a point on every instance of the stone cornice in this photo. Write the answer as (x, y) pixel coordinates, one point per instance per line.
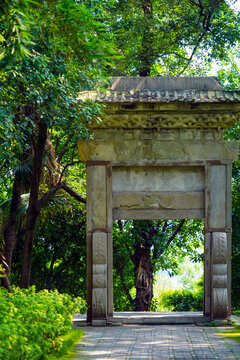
(165, 103)
(159, 121)
(188, 96)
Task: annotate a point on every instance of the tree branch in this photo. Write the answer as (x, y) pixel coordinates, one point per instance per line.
(65, 147)
(129, 252)
(120, 225)
(194, 3)
(164, 226)
(156, 251)
(193, 52)
(60, 270)
(66, 166)
(205, 25)
(73, 193)
(54, 189)
(48, 194)
(172, 237)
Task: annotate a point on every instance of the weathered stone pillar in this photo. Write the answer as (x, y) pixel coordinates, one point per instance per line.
(218, 241)
(99, 243)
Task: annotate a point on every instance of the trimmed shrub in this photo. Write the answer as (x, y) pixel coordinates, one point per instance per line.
(32, 324)
(183, 300)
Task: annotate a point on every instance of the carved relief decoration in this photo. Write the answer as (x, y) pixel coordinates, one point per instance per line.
(166, 121)
(99, 248)
(99, 276)
(99, 303)
(220, 301)
(219, 248)
(220, 281)
(99, 281)
(219, 275)
(220, 269)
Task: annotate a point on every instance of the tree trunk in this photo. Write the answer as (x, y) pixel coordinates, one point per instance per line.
(4, 272)
(10, 231)
(33, 209)
(143, 278)
(19, 187)
(28, 247)
(147, 54)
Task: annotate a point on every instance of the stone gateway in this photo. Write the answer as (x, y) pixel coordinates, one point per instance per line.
(159, 154)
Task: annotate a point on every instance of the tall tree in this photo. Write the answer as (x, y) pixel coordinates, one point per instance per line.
(49, 54)
(159, 37)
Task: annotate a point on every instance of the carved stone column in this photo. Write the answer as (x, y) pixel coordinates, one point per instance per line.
(99, 285)
(207, 275)
(219, 308)
(218, 240)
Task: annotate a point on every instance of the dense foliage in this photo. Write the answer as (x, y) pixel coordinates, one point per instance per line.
(32, 324)
(42, 69)
(160, 38)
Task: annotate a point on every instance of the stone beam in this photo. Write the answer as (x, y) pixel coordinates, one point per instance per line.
(123, 150)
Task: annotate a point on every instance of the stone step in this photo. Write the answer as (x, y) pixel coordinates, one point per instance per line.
(160, 318)
(151, 318)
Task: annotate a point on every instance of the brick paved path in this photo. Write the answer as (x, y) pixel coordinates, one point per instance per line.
(155, 342)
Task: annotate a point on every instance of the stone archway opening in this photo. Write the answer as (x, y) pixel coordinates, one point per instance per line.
(145, 252)
(159, 154)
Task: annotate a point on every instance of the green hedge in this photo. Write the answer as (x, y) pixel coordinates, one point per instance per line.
(179, 300)
(32, 324)
(183, 300)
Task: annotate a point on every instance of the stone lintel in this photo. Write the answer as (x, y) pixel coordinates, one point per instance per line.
(156, 200)
(146, 214)
(123, 150)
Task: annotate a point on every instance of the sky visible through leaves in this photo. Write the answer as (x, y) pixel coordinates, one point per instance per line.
(234, 4)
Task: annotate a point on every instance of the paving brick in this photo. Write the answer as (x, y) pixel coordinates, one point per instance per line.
(155, 342)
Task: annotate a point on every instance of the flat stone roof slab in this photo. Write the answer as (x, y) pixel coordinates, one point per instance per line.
(164, 83)
(163, 90)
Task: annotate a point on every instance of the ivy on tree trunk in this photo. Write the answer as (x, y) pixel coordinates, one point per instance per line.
(143, 272)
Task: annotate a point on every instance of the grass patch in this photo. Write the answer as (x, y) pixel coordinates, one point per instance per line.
(233, 333)
(69, 340)
(237, 312)
(208, 324)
